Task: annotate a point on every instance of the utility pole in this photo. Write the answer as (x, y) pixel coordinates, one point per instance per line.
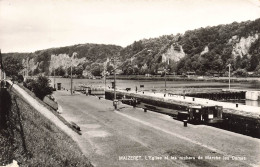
(114, 78)
(54, 79)
(27, 66)
(105, 73)
(71, 82)
(229, 65)
(164, 82)
(165, 72)
(115, 102)
(105, 81)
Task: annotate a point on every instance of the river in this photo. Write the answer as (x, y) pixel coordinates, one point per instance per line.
(177, 87)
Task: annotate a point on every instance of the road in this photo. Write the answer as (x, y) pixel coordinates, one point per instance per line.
(131, 137)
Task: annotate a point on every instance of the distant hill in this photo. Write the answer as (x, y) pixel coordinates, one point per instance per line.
(60, 59)
(204, 51)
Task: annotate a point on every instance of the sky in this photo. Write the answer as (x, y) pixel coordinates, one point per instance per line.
(30, 25)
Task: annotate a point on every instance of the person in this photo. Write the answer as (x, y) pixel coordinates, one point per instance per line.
(136, 89)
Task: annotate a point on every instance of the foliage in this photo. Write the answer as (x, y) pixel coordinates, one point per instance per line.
(58, 71)
(20, 78)
(41, 87)
(12, 66)
(217, 39)
(28, 83)
(241, 73)
(96, 69)
(75, 70)
(145, 56)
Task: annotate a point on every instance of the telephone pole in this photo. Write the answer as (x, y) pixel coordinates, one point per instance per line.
(114, 78)
(229, 65)
(54, 79)
(115, 102)
(71, 82)
(164, 82)
(105, 73)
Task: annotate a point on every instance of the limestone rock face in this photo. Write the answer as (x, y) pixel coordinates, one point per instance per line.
(65, 61)
(206, 50)
(174, 53)
(241, 47)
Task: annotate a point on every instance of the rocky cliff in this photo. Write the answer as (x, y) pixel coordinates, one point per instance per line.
(204, 51)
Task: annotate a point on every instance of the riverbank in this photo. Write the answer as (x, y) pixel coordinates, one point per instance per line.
(180, 78)
(172, 78)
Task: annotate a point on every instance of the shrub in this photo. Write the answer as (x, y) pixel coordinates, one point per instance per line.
(28, 83)
(41, 87)
(240, 73)
(20, 78)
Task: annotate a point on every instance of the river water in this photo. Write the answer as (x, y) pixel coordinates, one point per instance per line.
(177, 87)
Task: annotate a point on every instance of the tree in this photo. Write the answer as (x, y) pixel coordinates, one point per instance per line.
(238, 62)
(20, 78)
(240, 73)
(217, 65)
(96, 70)
(79, 70)
(12, 66)
(253, 63)
(244, 62)
(110, 68)
(41, 87)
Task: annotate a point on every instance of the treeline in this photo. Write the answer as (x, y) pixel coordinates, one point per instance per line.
(94, 53)
(145, 56)
(205, 51)
(219, 54)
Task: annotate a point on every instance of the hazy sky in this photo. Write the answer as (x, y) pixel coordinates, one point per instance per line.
(30, 25)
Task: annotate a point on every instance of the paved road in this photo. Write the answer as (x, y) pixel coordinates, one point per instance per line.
(115, 138)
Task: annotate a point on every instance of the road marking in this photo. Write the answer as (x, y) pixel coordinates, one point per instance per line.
(179, 136)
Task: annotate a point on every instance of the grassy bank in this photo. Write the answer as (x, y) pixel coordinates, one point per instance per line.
(49, 107)
(31, 139)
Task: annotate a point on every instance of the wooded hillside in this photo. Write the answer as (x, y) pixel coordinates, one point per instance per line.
(204, 51)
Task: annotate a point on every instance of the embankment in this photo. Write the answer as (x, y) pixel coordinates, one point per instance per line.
(31, 139)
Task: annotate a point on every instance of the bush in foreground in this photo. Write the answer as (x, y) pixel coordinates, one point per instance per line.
(40, 87)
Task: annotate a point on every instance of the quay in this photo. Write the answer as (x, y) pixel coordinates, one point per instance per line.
(239, 118)
(249, 94)
(223, 95)
(226, 94)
